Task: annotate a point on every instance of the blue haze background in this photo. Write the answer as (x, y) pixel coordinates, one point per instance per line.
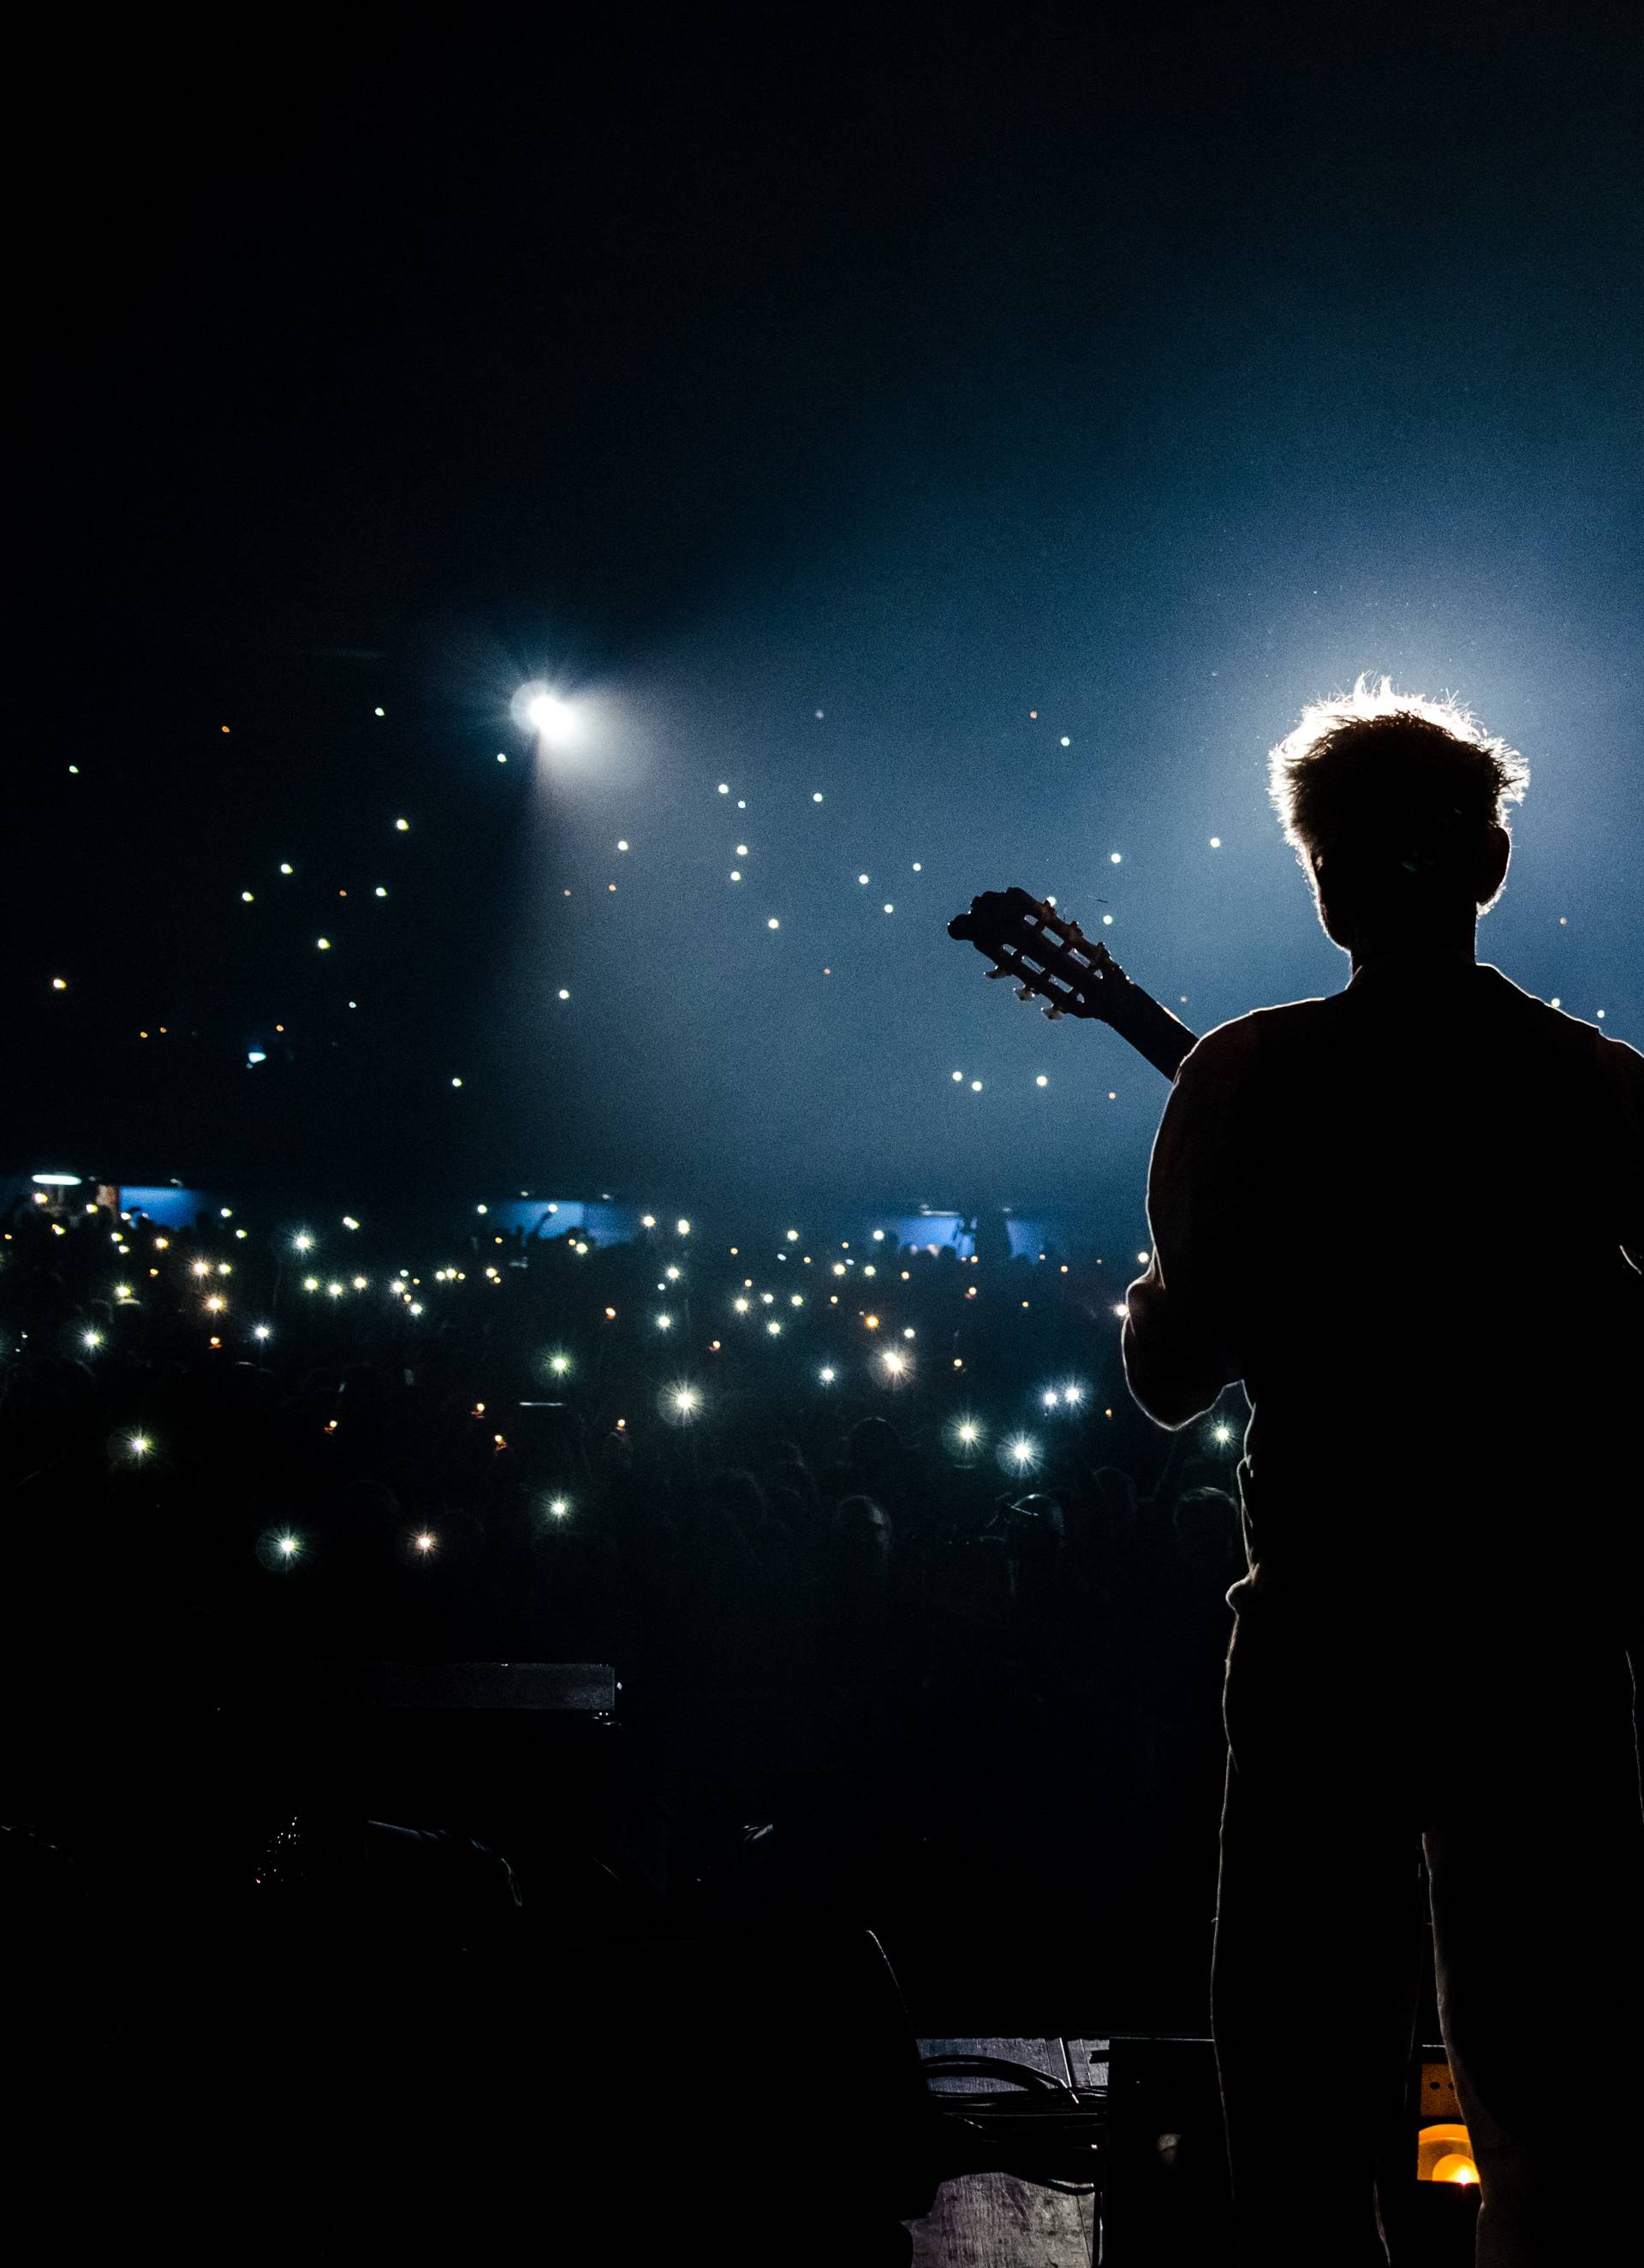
(926, 369)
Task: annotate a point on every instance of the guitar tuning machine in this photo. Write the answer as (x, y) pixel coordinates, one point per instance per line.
(1054, 1012)
(1024, 991)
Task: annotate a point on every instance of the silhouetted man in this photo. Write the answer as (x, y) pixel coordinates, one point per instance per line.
(1410, 1217)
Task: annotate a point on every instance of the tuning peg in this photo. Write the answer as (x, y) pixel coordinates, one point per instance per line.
(1054, 1012)
(1001, 971)
(1024, 991)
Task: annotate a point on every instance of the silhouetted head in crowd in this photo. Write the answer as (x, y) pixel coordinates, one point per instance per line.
(738, 1494)
(1034, 1522)
(873, 1450)
(1395, 807)
(793, 1479)
(862, 1540)
(1115, 1500)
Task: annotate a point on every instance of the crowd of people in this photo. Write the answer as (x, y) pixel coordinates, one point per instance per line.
(852, 1515)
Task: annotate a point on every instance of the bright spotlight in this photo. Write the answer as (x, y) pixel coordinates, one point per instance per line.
(547, 713)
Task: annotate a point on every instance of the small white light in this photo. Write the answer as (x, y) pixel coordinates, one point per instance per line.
(1041, 1080)
(1115, 857)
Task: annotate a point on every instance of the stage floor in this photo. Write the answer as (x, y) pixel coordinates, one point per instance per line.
(993, 2221)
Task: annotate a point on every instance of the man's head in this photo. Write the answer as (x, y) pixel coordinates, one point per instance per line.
(1395, 807)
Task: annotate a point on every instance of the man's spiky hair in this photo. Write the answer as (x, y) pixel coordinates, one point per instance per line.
(1393, 768)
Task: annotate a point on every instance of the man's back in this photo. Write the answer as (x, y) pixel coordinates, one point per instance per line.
(1401, 1211)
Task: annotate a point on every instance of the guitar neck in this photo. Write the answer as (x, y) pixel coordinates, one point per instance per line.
(1049, 957)
(1136, 1016)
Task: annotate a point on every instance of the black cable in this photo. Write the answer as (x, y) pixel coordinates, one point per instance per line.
(1047, 2115)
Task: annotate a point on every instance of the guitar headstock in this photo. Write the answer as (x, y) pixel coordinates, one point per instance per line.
(1048, 956)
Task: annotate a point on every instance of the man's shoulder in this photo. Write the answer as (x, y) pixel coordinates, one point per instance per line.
(1552, 1023)
(1293, 1026)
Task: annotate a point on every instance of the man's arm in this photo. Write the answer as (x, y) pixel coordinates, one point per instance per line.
(1621, 1074)
(1176, 1358)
